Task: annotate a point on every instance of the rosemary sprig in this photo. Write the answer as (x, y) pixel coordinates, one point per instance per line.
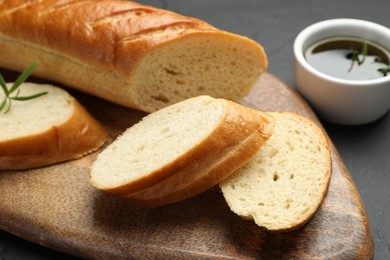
(354, 55)
(384, 71)
(6, 103)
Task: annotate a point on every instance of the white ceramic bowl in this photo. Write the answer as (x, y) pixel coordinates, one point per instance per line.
(348, 102)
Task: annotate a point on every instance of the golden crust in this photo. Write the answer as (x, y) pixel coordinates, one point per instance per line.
(93, 31)
(103, 47)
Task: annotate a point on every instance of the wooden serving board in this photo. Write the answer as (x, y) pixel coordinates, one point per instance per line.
(56, 207)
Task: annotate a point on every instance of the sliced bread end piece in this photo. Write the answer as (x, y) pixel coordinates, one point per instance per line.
(284, 184)
(46, 130)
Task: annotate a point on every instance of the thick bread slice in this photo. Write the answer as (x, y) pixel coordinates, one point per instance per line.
(46, 130)
(183, 149)
(284, 184)
(134, 55)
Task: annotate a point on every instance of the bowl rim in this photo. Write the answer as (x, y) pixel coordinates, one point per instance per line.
(333, 24)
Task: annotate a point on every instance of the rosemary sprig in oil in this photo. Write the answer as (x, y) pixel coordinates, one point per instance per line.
(12, 94)
(385, 70)
(354, 55)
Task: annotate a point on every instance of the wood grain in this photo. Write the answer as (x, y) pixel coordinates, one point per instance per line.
(56, 207)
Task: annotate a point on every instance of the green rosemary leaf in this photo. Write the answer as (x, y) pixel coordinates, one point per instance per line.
(17, 93)
(25, 74)
(354, 57)
(384, 71)
(3, 85)
(7, 101)
(9, 106)
(2, 105)
(364, 53)
(24, 98)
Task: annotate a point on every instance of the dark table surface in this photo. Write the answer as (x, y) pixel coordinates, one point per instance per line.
(275, 24)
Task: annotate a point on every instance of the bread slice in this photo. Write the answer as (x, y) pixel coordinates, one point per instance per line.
(46, 130)
(284, 184)
(180, 151)
(131, 54)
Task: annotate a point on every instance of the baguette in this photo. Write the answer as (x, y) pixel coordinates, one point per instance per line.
(134, 55)
(180, 151)
(283, 185)
(47, 130)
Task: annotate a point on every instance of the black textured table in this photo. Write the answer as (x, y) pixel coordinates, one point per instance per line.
(275, 24)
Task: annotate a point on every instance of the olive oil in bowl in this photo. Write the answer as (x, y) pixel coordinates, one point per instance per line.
(349, 58)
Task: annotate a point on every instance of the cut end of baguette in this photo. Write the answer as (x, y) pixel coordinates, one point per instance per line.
(284, 184)
(214, 63)
(46, 130)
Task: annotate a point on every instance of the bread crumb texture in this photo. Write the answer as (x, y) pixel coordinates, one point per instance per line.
(26, 118)
(284, 184)
(156, 141)
(214, 63)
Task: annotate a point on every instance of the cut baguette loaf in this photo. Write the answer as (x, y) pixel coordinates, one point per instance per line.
(284, 184)
(46, 130)
(134, 55)
(180, 151)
